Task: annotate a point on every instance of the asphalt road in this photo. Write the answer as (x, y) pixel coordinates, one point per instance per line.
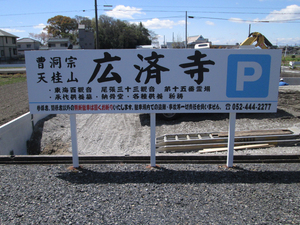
(292, 80)
(12, 65)
(12, 70)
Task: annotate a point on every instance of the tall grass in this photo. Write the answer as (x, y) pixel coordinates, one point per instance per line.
(12, 78)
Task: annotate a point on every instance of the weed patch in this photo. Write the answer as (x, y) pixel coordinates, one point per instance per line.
(12, 78)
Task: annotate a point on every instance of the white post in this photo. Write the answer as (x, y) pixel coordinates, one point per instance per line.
(74, 140)
(152, 137)
(231, 133)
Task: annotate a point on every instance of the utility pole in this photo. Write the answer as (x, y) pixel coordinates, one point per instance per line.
(185, 29)
(186, 17)
(96, 17)
(249, 29)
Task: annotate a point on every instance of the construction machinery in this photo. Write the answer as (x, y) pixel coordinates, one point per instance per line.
(261, 40)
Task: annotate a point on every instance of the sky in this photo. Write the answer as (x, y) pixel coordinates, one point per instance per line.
(222, 22)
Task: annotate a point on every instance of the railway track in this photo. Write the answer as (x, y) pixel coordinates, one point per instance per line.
(203, 159)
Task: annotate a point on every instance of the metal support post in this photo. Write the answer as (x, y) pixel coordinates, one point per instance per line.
(152, 137)
(231, 133)
(74, 140)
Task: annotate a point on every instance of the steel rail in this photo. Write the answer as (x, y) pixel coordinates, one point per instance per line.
(203, 159)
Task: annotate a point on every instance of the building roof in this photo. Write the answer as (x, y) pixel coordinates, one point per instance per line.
(51, 40)
(6, 34)
(47, 48)
(26, 40)
(197, 38)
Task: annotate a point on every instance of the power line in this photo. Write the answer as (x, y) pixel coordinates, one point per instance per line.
(208, 7)
(180, 11)
(150, 18)
(163, 11)
(195, 17)
(250, 21)
(37, 13)
(21, 26)
(213, 12)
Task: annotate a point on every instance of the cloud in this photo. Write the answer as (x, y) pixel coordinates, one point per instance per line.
(40, 26)
(288, 41)
(291, 12)
(13, 30)
(124, 12)
(210, 23)
(287, 14)
(181, 22)
(156, 23)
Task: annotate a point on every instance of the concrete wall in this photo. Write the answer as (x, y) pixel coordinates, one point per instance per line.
(14, 134)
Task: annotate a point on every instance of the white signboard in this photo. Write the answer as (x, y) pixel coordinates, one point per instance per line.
(153, 81)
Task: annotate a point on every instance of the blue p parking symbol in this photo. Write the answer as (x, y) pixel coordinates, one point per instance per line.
(248, 76)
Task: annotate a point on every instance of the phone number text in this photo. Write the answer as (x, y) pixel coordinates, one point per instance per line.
(249, 106)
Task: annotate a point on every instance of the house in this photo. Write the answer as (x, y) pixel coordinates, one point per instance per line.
(198, 42)
(27, 44)
(8, 46)
(86, 38)
(57, 44)
(193, 40)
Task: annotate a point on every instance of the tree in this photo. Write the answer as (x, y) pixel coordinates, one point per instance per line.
(178, 43)
(61, 26)
(144, 36)
(121, 34)
(112, 33)
(42, 37)
(85, 21)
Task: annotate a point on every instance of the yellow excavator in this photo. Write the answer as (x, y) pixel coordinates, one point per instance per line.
(262, 41)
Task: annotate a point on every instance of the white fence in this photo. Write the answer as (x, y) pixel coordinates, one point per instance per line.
(15, 134)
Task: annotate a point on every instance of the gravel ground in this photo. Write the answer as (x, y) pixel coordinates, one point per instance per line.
(132, 194)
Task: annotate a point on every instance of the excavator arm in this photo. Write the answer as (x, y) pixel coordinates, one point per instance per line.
(261, 40)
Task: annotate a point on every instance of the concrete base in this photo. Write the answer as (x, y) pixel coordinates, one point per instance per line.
(15, 134)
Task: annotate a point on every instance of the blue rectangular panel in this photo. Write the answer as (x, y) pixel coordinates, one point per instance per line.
(248, 76)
